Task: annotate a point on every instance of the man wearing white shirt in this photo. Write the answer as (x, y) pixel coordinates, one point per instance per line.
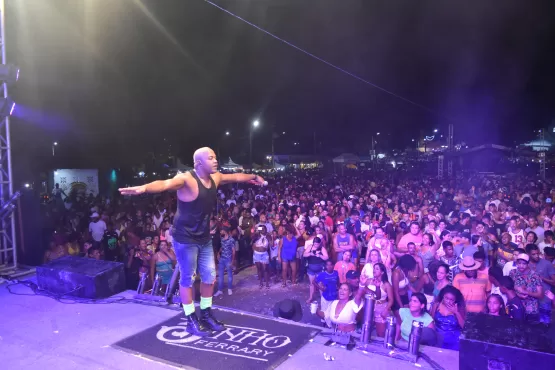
(312, 218)
(97, 227)
(509, 266)
(157, 218)
(547, 241)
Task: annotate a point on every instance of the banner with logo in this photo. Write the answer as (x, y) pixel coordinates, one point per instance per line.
(84, 181)
(247, 343)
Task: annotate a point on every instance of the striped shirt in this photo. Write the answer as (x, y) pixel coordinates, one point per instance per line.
(474, 291)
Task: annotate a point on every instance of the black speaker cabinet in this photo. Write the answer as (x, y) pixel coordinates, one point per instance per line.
(500, 343)
(32, 238)
(82, 277)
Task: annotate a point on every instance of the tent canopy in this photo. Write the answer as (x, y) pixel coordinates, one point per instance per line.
(347, 158)
(278, 166)
(231, 164)
(179, 166)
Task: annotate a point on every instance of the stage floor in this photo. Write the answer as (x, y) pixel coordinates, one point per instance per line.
(39, 332)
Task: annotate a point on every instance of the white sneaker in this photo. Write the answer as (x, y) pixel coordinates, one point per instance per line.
(229, 292)
(219, 292)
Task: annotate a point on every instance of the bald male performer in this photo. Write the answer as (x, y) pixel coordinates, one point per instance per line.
(196, 198)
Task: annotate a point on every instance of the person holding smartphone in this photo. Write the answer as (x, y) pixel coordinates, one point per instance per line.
(261, 258)
(316, 256)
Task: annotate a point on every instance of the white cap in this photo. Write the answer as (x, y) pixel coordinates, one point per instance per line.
(523, 256)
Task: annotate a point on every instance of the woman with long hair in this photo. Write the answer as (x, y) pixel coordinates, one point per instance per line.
(430, 244)
(405, 270)
(162, 263)
(380, 242)
(321, 233)
(495, 305)
(373, 258)
(316, 256)
(261, 243)
(449, 311)
(343, 311)
(383, 305)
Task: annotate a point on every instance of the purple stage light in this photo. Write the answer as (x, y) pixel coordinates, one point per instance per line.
(12, 109)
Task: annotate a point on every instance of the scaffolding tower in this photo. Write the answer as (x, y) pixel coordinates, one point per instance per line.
(450, 148)
(440, 166)
(8, 199)
(541, 154)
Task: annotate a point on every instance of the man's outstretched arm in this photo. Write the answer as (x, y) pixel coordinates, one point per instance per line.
(228, 178)
(156, 186)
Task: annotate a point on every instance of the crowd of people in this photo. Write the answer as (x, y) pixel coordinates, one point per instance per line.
(429, 250)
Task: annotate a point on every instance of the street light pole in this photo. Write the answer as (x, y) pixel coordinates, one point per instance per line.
(273, 154)
(250, 147)
(227, 133)
(254, 125)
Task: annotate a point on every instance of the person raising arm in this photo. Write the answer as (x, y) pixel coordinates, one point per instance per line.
(196, 198)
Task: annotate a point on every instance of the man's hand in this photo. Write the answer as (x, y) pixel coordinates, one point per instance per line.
(258, 180)
(363, 280)
(135, 190)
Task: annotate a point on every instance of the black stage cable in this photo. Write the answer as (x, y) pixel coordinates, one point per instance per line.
(322, 60)
(36, 291)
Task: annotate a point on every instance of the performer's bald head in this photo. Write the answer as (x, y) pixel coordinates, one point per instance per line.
(205, 157)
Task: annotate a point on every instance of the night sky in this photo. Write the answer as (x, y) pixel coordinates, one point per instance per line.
(110, 79)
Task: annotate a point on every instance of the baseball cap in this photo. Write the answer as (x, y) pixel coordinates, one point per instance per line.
(523, 256)
(465, 235)
(352, 274)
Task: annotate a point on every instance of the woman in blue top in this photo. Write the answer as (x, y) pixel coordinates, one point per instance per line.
(415, 312)
(287, 254)
(162, 264)
(449, 312)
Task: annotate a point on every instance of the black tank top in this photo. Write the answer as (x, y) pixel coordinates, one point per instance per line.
(191, 223)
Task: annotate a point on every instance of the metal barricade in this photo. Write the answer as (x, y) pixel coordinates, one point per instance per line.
(369, 303)
(390, 332)
(142, 283)
(173, 286)
(414, 337)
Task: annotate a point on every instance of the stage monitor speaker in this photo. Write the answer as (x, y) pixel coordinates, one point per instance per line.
(82, 277)
(500, 343)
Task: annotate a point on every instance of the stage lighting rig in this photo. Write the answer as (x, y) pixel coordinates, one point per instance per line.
(9, 73)
(7, 105)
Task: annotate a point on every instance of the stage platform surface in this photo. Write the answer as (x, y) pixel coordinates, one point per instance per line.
(38, 332)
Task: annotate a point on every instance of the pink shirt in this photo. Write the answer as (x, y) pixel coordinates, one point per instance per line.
(342, 268)
(407, 238)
